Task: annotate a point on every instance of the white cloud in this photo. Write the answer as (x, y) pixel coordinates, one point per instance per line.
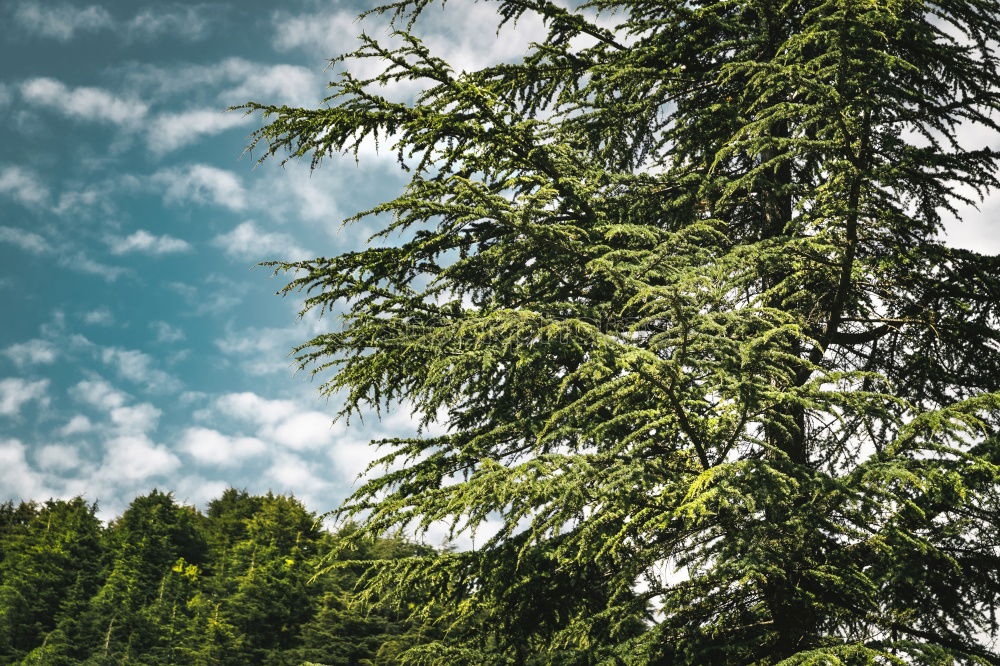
(249, 242)
(65, 255)
(84, 103)
(352, 457)
(26, 240)
(273, 84)
(60, 21)
(251, 407)
(58, 457)
(166, 333)
(135, 420)
(23, 186)
(138, 367)
(304, 430)
(454, 32)
(17, 479)
(15, 392)
(228, 82)
(197, 490)
(310, 195)
(282, 422)
(100, 317)
(32, 352)
(190, 23)
(170, 131)
(147, 243)
(98, 393)
(291, 474)
(261, 351)
(202, 184)
(211, 447)
(132, 458)
(76, 425)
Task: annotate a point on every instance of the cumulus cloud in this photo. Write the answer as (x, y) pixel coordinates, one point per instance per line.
(15, 392)
(58, 457)
(247, 406)
(352, 457)
(135, 419)
(76, 425)
(98, 393)
(166, 333)
(60, 21)
(249, 242)
(202, 184)
(83, 103)
(261, 351)
(146, 243)
(309, 195)
(100, 317)
(322, 32)
(306, 479)
(31, 352)
(17, 479)
(132, 458)
(290, 85)
(282, 422)
(24, 186)
(211, 447)
(170, 131)
(138, 367)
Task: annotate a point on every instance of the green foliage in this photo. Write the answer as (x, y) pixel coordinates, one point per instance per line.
(164, 584)
(674, 283)
(50, 563)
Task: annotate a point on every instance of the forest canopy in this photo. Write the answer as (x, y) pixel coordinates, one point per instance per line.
(241, 583)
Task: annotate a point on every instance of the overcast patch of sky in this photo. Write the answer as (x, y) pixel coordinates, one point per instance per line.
(141, 347)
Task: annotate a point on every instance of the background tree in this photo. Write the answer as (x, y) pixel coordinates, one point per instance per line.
(244, 586)
(675, 281)
(50, 563)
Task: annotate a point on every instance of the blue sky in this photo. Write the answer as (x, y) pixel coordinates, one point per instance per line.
(140, 347)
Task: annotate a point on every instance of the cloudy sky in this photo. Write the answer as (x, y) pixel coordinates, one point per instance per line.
(140, 347)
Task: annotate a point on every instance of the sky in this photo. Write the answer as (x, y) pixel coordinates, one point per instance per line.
(140, 344)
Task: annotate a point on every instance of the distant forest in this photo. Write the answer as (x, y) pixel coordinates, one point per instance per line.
(242, 583)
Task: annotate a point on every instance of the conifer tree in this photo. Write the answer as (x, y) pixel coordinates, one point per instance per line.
(675, 280)
(51, 562)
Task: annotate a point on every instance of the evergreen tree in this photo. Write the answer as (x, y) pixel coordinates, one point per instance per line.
(51, 562)
(267, 596)
(152, 537)
(675, 281)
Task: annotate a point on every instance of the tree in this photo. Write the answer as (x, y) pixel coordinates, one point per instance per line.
(675, 281)
(153, 549)
(52, 563)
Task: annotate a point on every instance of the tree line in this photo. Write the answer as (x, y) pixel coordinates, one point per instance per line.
(248, 581)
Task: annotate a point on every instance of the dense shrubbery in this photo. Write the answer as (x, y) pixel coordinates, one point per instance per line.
(243, 583)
